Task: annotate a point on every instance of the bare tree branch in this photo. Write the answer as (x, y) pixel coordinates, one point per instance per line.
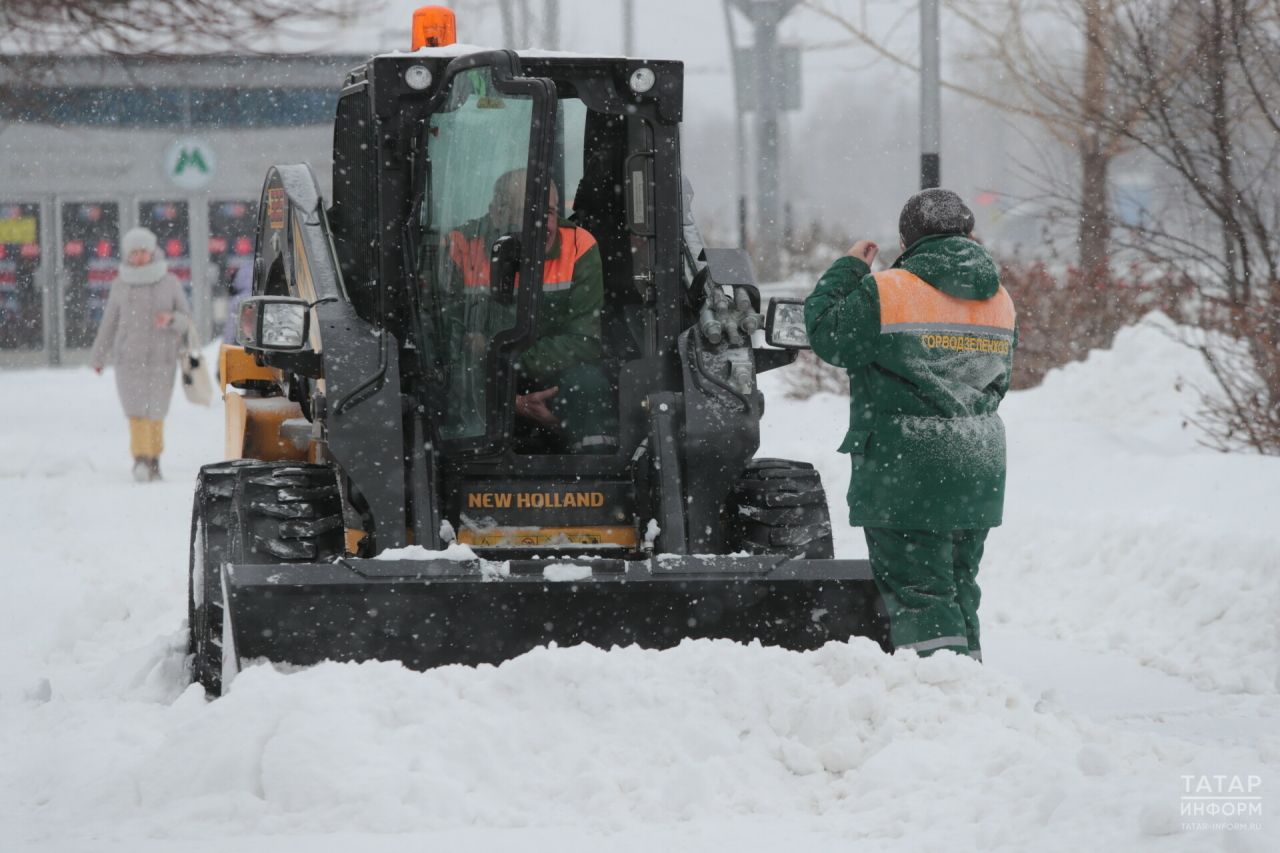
(162, 27)
(865, 39)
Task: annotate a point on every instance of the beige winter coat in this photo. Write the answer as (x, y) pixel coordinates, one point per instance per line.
(145, 357)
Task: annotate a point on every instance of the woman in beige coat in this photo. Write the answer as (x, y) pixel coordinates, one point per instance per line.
(144, 329)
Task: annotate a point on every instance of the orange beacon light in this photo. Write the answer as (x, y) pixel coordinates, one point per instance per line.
(434, 26)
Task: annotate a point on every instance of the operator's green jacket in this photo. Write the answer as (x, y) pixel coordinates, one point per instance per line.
(568, 332)
(928, 346)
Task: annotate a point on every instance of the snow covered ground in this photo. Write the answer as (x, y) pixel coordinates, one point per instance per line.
(1131, 630)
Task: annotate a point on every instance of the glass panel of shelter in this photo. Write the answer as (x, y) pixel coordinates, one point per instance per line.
(170, 221)
(232, 226)
(70, 248)
(21, 288)
(89, 242)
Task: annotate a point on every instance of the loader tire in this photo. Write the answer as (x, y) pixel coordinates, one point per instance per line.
(288, 512)
(778, 506)
(248, 511)
(211, 525)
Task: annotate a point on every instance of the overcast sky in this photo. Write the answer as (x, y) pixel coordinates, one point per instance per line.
(851, 153)
(692, 31)
(853, 148)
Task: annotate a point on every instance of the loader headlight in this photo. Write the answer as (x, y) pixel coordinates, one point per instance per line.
(642, 80)
(417, 77)
(283, 325)
(273, 323)
(784, 326)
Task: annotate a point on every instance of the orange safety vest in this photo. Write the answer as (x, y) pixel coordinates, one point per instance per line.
(471, 256)
(910, 304)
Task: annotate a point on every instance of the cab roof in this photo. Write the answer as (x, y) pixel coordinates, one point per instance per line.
(453, 51)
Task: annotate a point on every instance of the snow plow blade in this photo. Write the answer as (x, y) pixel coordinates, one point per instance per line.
(428, 613)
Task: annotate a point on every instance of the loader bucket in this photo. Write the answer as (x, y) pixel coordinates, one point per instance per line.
(430, 613)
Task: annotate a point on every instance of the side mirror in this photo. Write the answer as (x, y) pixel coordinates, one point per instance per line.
(784, 326)
(504, 265)
(273, 323)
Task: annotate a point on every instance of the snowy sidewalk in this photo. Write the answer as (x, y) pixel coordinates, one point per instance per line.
(1130, 630)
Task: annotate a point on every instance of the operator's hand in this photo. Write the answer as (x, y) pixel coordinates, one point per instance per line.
(864, 250)
(534, 407)
(98, 370)
(164, 319)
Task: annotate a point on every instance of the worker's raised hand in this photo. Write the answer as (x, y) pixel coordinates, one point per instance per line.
(534, 407)
(864, 250)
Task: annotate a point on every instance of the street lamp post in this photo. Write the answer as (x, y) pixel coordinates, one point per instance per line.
(930, 97)
(765, 16)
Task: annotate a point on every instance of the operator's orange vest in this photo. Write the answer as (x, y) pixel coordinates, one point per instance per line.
(471, 255)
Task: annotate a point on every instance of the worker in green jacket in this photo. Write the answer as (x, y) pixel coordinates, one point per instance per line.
(562, 390)
(928, 346)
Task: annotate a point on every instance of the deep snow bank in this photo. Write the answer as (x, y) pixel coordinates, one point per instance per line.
(1144, 540)
(609, 741)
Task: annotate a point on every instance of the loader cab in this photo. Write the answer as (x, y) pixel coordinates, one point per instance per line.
(421, 139)
(565, 125)
(575, 122)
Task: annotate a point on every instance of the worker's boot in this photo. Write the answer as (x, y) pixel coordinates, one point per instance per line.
(154, 468)
(141, 469)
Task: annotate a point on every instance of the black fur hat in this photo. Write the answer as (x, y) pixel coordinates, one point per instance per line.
(934, 211)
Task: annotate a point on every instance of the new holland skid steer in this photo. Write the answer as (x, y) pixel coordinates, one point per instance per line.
(373, 403)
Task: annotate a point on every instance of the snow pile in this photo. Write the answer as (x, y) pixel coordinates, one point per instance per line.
(1129, 631)
(564, 572)
(453, 552)
(1144, 540)
(607, 741)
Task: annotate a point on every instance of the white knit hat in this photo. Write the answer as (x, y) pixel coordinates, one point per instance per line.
(140, 238)
(149, 273)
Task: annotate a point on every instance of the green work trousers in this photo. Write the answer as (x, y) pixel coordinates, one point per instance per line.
(928, 579)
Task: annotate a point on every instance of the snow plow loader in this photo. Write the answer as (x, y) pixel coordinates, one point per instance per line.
(388, 493)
